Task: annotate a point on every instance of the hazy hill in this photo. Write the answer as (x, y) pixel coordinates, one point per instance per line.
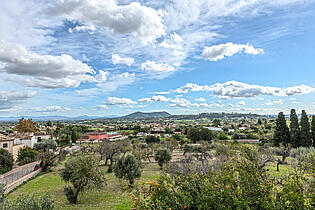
(143, 115)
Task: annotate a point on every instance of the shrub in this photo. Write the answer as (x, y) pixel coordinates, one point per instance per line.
(162, 156)
(198, 134)
(238, 136)
(304, 159)
(29, 202)
(152, 139)
(301, 152)
(252, 136)
(2, 195)
(128, 167)
(222, 136)
(27, 155)
(188, 148)
(6, 161)
(220, 149)
(239, 184)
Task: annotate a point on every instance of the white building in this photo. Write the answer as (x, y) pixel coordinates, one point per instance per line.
(27, 139)
(41, 136)
(214, 129)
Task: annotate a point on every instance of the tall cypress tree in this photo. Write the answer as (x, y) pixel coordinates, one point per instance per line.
(282, 133)
(313, 130)
(305, 134)
(294, 129)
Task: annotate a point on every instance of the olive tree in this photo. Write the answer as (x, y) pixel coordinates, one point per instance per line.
(162, 156)
(83, 173)
(47, 155)
(108, 150)
(128, 167)
(46, 144)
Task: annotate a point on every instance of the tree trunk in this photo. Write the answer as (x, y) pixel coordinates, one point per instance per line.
(76, 197)
(278, 163)
(283, 158)
(131, 182)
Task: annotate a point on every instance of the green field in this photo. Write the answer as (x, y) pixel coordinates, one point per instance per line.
(111, 197)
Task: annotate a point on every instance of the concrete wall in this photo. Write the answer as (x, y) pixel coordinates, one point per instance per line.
(17, 173)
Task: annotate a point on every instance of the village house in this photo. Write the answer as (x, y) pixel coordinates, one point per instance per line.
(214, 129)
(114, 136)
(94, 136)
(8, 144)
(231, 130)
(41, 136)
(99, 136)
(27, 139)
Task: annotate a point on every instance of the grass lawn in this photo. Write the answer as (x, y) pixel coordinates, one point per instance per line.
(283, 170)
(111, 197)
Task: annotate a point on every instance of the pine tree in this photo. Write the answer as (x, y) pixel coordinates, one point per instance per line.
(313, 130)
(305, 134)
(294, 129)
(282, 133)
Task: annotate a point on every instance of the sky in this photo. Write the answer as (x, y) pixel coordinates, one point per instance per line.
(106, 57)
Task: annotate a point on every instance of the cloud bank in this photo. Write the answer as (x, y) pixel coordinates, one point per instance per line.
(234, 89)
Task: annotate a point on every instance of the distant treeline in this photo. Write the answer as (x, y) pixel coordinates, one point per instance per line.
(221, 115)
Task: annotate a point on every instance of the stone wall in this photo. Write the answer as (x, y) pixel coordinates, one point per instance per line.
(18, 182)
(17, 173)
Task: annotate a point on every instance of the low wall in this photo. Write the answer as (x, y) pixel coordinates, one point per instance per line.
(17, 173)
(18, 182)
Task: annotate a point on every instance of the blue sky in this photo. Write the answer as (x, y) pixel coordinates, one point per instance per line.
(105, 57)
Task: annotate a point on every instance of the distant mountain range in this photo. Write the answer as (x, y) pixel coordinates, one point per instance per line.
(145, 115)
(56, 118)
(141, 115)
(135, 115)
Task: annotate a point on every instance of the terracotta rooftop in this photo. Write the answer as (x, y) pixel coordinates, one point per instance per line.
(21, 135)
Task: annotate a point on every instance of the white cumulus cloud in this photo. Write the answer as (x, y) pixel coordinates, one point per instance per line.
(51, 109)
(101, 107)
(9, 99)
(89, 29)
(116, 59)
(192, 87)
(162, 92)
(218, 52)
(153, 67)
(45, 71)
(154, 99)
(119, 101)
(242, 103)
(200, 99)
(140, 21)
(184, 103)
(234, 89)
